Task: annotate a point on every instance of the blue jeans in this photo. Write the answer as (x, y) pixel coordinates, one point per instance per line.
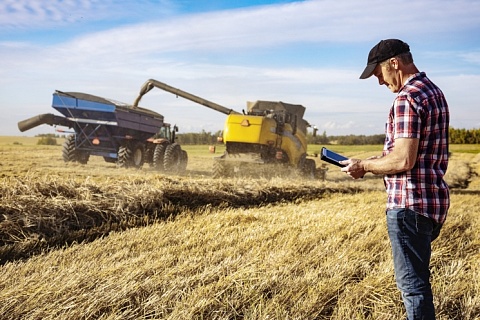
(411, 235)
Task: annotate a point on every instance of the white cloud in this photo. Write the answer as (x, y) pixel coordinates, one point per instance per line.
(26, 14)
(311, 21)
(336, 125)
(33, 13)
(308, 21)
(471, 57)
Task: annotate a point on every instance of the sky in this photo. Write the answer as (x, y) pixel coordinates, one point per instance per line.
(233, 51)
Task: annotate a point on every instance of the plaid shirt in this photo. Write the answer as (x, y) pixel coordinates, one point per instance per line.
(420, 111)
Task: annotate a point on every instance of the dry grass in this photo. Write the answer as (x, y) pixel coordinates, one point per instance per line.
(104, 243)
(464, 171)
(317, 259)
(43, 211)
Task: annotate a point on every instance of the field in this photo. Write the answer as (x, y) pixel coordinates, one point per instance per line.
(97, 242)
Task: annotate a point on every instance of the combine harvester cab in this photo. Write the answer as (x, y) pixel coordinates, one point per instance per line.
(269, 133)
(113, 130)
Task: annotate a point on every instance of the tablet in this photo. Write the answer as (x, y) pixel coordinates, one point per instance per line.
(332, 157)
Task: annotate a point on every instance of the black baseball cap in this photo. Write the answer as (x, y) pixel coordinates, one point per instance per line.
(384, 50)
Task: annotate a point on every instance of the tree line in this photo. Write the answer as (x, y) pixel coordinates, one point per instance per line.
(456, 136)
(464, 136)
(196, 138)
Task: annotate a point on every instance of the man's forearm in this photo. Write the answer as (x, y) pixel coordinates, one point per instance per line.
(385, 165)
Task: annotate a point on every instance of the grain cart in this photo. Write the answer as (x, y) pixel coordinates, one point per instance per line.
(268, 133)
(113, 130)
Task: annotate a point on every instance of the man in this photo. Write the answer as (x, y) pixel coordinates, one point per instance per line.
(414, 161)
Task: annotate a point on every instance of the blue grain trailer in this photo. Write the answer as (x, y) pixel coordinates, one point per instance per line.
(118, 132)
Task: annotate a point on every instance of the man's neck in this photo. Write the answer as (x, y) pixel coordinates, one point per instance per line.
(408, 71)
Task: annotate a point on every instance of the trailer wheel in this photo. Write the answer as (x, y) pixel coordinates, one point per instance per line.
(71, 154)
(124, 156)
(171, 161)
(68, 152)
(158, 156)
(138, 155)
(131, 155)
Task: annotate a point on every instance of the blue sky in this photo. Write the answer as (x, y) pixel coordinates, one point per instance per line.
(231, 52)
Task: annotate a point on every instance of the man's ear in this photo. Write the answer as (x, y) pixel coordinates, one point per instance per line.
(394, 63)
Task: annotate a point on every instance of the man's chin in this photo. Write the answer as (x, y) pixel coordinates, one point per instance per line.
(391, 88)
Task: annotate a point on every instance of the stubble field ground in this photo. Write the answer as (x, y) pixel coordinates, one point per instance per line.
(97, 242)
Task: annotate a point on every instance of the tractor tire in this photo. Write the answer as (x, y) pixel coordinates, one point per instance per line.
(131, 155)
(219, 169)
(301, 162)
(71, 154)
(149, 151)
(309, 169)
(182, 166)
(171, 161)
(159, 156)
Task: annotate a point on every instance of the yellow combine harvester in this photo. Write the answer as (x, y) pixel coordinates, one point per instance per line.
(268, 133)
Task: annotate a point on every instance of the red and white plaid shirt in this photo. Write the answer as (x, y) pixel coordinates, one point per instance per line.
(420, 111)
